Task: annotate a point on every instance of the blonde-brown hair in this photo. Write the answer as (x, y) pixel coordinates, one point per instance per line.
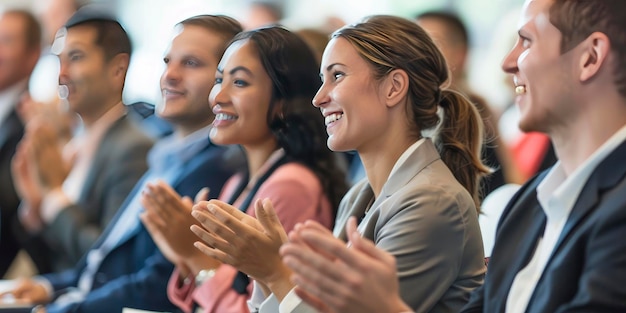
(388, 43)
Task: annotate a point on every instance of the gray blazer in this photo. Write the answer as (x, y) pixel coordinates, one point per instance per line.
(428, 221)
(119, 163)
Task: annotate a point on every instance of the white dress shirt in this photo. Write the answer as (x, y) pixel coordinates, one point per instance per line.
(556, 194)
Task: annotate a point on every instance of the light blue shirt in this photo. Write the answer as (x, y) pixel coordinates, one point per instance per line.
(166, 161)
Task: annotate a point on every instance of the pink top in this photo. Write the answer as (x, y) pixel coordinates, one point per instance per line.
(297, 196)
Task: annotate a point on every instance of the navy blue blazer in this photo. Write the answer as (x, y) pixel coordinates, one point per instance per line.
(135, 273)
(587, 270)
(11, 132)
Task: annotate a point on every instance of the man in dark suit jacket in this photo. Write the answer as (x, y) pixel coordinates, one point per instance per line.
(75, 202)
(20, 38)
(560, 242)
(125, 268)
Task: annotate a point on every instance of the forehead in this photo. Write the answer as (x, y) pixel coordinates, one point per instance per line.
(198, 39)
(80, 35)
(12, 24)
(240, 53)
(535, 12)
(340, 50)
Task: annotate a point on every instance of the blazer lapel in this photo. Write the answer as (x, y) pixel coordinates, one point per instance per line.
(10, 127)
(424, 155)
(525, 217)
(97, 165)
(356, 208)
(608, 173)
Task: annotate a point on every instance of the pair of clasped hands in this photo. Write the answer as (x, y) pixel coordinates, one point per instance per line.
(326, 270)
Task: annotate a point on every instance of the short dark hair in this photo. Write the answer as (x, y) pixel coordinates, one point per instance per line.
(452, 21)
(226, 26)
(32, 28)
(110, 35)
(576, 20)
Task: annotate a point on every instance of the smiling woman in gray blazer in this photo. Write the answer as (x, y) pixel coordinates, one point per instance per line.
(383, 85)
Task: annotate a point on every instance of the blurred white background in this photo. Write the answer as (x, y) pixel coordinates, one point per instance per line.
(149, 22)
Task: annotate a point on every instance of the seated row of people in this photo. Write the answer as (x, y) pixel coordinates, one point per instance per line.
(420, 144)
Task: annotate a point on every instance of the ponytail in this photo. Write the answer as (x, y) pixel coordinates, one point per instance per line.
(460, 141)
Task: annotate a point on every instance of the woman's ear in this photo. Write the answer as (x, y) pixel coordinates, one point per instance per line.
(396, 87)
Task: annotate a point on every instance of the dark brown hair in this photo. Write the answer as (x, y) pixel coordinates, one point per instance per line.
(296, 124)
(227, 27)
(388, 43)
(577, 19)
(110, 37)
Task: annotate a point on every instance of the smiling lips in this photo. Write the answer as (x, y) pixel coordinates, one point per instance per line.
(225, 117)
(520, 89)
(331, 118)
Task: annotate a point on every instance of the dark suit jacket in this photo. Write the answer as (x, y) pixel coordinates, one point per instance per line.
(587, 270)
(11, 132)
(118, 164)
(135, 273)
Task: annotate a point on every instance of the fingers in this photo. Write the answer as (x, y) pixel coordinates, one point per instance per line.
(366, 246)
(153, 223)
(335, 247)
(212, 245)
(214, 233)
(225, 207)
(305, 261)
(202, 195)
(229, 217)
(316, 303)
(161, 199)
(266, 215)
(319, 283)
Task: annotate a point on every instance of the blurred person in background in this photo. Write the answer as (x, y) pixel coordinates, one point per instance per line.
(70, 191)
(125, 268)
(451, 36)
(20, 47)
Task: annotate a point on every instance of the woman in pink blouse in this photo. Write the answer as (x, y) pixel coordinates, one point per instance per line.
(264, 85)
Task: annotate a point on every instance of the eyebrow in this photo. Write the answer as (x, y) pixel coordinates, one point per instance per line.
(330, 67)
(235, 70)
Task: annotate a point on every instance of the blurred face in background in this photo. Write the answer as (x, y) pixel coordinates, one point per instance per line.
(17, 59)
(84, 70)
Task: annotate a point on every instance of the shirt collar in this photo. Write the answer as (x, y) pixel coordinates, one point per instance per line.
(405, 155)
(558, 193)
(176, 149)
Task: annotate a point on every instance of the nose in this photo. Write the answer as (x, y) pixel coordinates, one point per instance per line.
(509, 64)
(63, 72)
(218, 95)
(321, 97)
(171, 74)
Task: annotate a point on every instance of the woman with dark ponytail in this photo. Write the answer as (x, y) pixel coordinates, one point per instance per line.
(383, 92)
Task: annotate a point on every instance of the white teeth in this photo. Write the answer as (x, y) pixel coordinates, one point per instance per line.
(333, 118)
(520, 90)
(224, 117)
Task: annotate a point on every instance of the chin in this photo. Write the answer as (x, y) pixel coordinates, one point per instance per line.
(337, 146)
